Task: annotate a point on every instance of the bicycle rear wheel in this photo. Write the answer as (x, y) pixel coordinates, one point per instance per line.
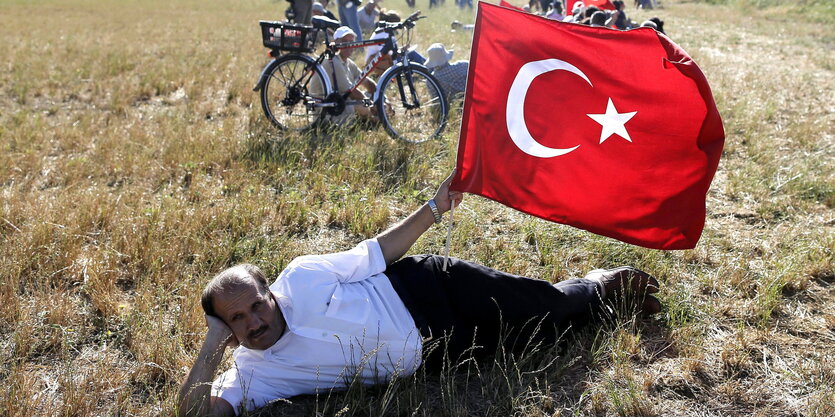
(294, 84)
(412, 105)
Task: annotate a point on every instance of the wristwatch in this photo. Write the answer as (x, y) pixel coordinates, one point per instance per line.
(435, 212)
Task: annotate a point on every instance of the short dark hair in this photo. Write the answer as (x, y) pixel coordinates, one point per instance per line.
(598, 19)
(236, 275)
(659, 24)
(390, 16)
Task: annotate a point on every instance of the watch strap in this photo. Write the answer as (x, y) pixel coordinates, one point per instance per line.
(435, 212)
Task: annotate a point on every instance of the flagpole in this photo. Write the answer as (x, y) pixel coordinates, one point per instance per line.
(448, 233)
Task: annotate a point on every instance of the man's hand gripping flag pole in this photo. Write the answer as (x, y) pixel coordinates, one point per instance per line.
(448, 233)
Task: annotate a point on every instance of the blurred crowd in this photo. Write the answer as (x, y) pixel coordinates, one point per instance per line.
(602, 13)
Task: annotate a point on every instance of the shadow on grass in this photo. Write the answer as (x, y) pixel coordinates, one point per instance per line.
(267, 145)
(363, 148)
(543, 380)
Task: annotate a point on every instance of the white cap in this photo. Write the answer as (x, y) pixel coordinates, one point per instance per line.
(437, 55)
(343, 31)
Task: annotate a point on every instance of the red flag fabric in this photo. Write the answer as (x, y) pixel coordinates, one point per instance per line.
(613, 132)
(510, 6)
(600, 4)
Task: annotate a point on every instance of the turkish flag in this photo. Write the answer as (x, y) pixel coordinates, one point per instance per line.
(613, 132)
(600, 4)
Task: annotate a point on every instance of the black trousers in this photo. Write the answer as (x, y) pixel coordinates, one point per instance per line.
(472, 310)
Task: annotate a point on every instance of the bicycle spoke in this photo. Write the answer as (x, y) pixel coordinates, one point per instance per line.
(298, 75)
(285, 97)
(293, 69)
(282, 80)
(284, 77)
(433, 102)
(413, 108)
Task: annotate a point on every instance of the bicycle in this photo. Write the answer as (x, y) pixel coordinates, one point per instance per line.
(296, 91)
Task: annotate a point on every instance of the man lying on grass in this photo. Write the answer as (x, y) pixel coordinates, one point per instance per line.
(363, 314)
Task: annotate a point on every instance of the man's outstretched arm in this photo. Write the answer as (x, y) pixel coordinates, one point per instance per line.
(398, 239)
(195, 392)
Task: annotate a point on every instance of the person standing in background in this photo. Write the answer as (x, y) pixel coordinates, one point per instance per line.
(329, 14)
(367, 17)
(303, 10)
(348, 16)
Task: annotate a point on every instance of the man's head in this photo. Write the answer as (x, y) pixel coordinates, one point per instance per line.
(390, 16)
(318, 9)
(578, 9)
(344, 34)
(659, 24)
(598, 19)
(240, 296)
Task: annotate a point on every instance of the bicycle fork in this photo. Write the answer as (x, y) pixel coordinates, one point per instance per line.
(410, 82)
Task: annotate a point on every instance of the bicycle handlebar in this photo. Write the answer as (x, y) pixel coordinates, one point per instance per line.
(413, 16)
(408, 23)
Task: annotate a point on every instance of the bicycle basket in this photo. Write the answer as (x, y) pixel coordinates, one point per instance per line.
(288, 36)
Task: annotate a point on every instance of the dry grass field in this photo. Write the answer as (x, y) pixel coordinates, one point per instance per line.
(135, 163)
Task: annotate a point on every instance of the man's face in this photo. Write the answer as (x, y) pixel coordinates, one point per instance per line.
(251, 313)
(346, 52)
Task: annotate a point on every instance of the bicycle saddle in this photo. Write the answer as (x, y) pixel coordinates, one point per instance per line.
(322, 22)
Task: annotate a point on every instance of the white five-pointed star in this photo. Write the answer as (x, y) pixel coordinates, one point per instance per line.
(612, 122)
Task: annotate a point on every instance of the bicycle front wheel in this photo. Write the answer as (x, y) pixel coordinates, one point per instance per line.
(411, 105)
(294, 85)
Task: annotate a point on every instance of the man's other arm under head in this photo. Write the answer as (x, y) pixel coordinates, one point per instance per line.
(194, 396)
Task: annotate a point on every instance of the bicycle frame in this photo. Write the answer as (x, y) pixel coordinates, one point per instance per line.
(400, 59)
(389, 46)
(330, 52)
(404, 86)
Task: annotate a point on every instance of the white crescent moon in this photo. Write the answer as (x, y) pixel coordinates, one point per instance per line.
(515, 113)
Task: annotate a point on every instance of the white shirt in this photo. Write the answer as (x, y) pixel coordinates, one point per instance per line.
(344, 321)
(553, 15)
(373, 49)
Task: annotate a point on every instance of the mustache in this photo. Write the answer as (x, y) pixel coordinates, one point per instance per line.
(258, 331)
